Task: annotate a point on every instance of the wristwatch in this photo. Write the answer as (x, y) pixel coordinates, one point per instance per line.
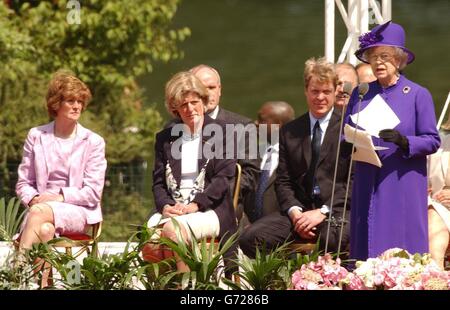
(324, 210)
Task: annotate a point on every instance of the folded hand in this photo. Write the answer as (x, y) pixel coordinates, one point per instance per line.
(46, 197)
(443, 197)
(171, 211)
(307, 222)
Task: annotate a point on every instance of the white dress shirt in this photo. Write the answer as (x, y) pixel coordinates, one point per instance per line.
(323, 123)
(189, 164)
(213, 113)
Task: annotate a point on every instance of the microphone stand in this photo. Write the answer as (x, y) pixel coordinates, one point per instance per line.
(363, 88)
(344, 108)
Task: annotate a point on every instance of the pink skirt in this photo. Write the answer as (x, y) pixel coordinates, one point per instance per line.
(69, 219)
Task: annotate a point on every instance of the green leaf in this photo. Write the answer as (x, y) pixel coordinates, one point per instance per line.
(10, 218)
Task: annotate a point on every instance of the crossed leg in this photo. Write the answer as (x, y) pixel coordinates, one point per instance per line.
(39, 227)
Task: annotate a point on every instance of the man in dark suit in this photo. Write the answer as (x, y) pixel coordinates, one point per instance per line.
(308, 147)
(262, 199)
(250, 170)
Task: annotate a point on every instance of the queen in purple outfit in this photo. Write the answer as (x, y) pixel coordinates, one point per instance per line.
(389, 204)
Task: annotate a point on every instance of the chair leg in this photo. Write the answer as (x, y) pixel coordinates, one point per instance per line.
(69, 250)
(95, 249)
(237, 279)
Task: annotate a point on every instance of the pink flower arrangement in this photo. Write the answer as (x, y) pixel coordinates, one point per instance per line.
(395, 269)
(326, 273)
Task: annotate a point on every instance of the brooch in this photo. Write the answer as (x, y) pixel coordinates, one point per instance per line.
(406, 89)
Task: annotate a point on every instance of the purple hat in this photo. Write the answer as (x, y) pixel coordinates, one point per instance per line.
(388, 34)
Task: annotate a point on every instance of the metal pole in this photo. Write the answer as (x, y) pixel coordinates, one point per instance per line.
(387, 10)
(444, 111)
(353, 15)
(363, 17)
(334, 183)
(329, 30)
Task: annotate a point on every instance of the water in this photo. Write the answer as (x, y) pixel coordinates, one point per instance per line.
(260, 46)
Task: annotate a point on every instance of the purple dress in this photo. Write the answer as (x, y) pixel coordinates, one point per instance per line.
(389, 204)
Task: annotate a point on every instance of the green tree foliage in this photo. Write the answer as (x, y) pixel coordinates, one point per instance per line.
(20, 90)
(114, 43)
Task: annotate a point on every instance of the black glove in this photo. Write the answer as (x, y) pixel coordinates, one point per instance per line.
(391, 135)
(347, 149)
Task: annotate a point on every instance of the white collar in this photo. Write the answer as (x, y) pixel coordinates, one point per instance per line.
(323, 122)
(213, 114)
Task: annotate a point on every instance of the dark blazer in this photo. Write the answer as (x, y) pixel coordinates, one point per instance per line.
(250, 167)
(219, 174)
(292, 187)
(228, 117)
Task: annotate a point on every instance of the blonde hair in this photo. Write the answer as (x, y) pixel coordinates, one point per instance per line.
(65, 85)
(178, 86)
(320, 69)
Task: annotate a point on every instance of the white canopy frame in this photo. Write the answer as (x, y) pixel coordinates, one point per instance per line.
(357, 20)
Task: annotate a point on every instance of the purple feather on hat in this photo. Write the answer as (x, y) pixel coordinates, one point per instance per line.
(372, 37)
(367, 39)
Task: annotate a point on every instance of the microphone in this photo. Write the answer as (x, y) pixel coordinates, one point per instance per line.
(363, 88)
(347, 89)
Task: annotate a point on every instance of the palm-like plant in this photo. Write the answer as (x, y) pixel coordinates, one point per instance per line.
(202, 257)
(266, 271)
(11, 217)
(17, 272)
(270, 269)
(126, 270)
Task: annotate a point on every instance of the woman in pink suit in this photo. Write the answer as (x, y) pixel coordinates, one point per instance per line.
(62, 172)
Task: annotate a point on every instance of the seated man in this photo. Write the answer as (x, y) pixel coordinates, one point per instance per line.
(307, 156)
(262, 199)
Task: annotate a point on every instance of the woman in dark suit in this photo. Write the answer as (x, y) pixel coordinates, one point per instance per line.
(191, 174)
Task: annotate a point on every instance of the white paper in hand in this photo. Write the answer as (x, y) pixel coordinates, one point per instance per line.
(376, 116)
(362, 140)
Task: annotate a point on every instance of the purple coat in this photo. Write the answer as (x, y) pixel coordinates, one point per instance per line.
(86, 171)
(389, 204)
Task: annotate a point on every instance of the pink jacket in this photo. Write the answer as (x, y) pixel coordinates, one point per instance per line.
(86, 172)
